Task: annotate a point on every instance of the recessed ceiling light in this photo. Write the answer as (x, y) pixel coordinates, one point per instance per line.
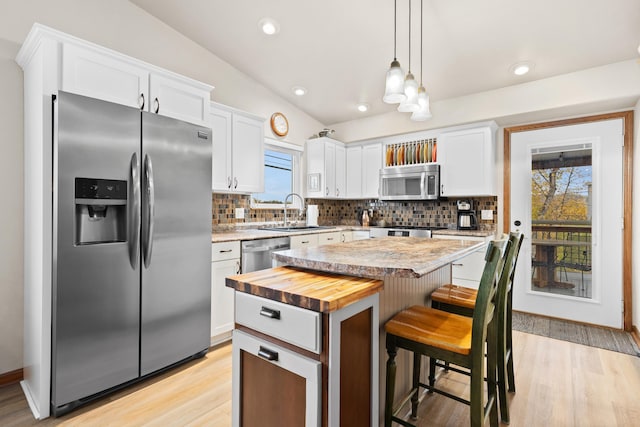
(299, 90)
(521, 68)
(363, 107)
(269, 26)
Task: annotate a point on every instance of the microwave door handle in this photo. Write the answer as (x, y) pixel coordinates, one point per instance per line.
(423, 178)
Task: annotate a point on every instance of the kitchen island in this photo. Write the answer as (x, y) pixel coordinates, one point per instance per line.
(409, 268)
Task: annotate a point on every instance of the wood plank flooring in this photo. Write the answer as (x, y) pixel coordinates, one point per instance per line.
(558, 384)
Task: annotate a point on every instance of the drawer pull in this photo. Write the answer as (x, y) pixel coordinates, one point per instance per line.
(270, 313)
(329, 238)
(223, 251)
(304, 242)
(457, 264)
(268, 354)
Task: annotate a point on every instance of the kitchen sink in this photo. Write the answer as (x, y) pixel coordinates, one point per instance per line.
(298, 228)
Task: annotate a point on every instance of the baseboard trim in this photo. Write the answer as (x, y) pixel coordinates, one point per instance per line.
(12, 377)
(635, 334)
(573, 321)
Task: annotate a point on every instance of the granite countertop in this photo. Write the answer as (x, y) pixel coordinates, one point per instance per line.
(386, 256)
(255, 233)
(473, 233)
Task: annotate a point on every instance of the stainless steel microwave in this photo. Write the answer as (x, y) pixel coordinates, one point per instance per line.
(416, 182)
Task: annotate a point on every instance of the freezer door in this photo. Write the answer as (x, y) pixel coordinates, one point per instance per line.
(176, 241)
(96, 292)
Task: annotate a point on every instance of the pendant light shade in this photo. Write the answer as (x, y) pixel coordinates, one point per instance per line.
(424, 112)
(394, 88)
(410, 104)
(394, 85)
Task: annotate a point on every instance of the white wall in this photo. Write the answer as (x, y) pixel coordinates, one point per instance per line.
(121, 26)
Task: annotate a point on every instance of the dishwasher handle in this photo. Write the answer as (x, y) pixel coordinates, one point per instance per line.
(263, 248)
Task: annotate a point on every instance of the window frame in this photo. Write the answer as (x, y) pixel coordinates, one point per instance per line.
(296, 152)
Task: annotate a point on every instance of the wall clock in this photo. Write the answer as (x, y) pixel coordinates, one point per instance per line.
(279, 124)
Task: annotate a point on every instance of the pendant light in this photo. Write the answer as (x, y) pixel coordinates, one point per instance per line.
(410, 104)
(424, 112)
(394, 86)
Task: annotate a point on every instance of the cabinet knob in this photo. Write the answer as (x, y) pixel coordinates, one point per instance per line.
(156, 106)
(235, 183)
(229, 182)
(141, 101)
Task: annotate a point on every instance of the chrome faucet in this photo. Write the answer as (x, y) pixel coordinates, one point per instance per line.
(301, 211)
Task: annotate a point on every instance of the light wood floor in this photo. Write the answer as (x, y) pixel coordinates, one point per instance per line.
(558, 384)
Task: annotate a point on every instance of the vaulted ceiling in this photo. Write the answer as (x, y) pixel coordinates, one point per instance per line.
(340, 50)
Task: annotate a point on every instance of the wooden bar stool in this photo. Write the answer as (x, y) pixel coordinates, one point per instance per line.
(452, 338)
(462, 300)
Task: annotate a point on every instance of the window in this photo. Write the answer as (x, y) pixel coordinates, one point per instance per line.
(281, 176)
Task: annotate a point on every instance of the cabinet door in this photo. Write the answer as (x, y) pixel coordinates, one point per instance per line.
(467, 163)
(371, 164)
(314, 152)
(330, 169)
(302, 241)
(221, 126)
(353, 172)
(273, 385)
(103, 76)
(178, 99)
(340, 166)
(329, 238)
(346, 236)
(222, 296)
(248, 154)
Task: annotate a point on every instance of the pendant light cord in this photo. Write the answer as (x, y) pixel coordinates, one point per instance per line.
(395, 28)
(421, 38)
(409, 36)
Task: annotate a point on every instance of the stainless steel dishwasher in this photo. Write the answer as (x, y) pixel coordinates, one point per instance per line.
(256, 254)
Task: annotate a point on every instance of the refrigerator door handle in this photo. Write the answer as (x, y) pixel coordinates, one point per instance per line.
(134, 211)
(149, 211)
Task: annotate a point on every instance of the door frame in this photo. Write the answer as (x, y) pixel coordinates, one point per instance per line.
(627, 117)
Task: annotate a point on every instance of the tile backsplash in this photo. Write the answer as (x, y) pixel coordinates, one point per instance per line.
(440, 213)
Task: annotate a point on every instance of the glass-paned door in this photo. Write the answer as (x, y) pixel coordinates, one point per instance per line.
(566, 197)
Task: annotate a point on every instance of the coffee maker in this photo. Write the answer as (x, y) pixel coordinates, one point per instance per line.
(467, 219)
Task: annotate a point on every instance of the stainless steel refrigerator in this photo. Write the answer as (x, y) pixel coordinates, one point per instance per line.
(132, 246)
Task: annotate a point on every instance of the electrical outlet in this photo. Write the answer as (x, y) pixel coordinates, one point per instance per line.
(239, 213)
(486, 214)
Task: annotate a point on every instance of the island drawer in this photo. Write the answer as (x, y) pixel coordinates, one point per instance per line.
(294, 325)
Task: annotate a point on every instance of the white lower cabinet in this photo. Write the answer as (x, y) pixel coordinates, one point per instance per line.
(361, 234)
(467, 271)
(303, 241)
(225, 261)
(329, 238)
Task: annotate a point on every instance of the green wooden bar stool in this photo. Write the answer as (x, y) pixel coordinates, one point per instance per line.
(452, 338)
(462, 300)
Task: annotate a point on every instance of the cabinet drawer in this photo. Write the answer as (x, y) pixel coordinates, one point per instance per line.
(328, 238)
(469, 267)
(294, 325)
(225, 250)
(303, 241)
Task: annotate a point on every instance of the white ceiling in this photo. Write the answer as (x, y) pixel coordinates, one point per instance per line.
(340, 50)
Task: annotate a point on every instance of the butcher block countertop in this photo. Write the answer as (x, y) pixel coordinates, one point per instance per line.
(314, 290)
(386, 256)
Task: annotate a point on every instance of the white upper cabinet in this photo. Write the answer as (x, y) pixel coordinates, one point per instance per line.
(353, 172)
(174, 98)
(104, 74)
(326, 159)
(371, 164)
(340, 173)
(467, 162)
(238, 150)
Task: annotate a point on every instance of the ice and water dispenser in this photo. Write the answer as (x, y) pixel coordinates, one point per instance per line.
(101, 211)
